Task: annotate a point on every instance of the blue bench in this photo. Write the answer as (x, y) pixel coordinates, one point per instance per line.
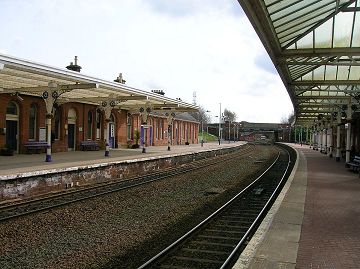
(89, 145)
(35, 146)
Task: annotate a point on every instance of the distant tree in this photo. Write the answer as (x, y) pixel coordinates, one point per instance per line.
(202, 115)
(288, 119)
(229, 115)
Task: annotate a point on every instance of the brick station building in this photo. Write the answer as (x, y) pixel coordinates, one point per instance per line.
(83, 108)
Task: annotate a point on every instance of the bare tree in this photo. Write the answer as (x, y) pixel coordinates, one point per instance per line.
(202, 115)
(288, 119)
(229, 115)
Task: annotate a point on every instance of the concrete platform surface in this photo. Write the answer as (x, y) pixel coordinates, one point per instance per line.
(14, 166)
(314, 223)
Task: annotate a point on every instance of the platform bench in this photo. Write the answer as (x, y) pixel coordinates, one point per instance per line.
(35, 146)
(354, 164)
(89, 145)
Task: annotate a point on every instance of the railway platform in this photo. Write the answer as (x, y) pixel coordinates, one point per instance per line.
(33, 163)
(314, 222)
(24, 176)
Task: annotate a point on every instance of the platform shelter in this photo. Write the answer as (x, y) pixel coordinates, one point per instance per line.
(53, 109)
(315, 47)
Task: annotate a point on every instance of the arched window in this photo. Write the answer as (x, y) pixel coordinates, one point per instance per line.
(98, 123)
(12, 125)
(90, 125)
(32, 122)
(157, 129)
(11, 109)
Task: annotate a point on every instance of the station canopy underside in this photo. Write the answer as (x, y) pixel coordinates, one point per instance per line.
(21, 77)
(315, 46)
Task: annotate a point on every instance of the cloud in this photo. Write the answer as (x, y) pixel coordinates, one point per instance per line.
(263, 61)
(177, 46)
(181, 8)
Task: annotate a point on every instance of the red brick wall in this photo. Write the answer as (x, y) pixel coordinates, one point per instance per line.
(121, 126)
(23, 123)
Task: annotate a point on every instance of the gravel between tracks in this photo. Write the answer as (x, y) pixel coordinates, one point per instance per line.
(123, 229)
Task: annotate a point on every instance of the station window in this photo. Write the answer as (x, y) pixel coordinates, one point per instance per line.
(98, 123)
(11, 109)
(32, 122)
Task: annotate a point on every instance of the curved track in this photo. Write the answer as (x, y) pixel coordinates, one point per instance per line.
(217, 240)
(45, 203)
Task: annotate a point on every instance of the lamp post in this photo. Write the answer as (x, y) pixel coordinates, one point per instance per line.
(220, 124)
(234, 131)
(290, 134)
(202, 128)
(229, 130)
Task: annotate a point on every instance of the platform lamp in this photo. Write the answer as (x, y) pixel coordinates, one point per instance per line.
(234, 130)
(202, 127)
(220, 125)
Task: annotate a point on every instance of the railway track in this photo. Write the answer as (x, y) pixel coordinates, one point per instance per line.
(27, 207)
(218, 240)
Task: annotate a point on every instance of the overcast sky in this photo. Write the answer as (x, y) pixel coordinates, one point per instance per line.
(179, 46)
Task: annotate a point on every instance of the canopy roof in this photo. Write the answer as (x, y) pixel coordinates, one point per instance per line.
(315, 46)
(22, 77)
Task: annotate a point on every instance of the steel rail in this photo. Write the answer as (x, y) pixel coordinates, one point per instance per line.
(257, 220)
(161, 255)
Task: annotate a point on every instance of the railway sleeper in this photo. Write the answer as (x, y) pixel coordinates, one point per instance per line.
(221, 231)
(201, 255)
(243, 216)
(236, 221)
(218, 237)
(212, 246)
(207, 243)
(222, 227)
(196, 262)
(225, 234)
(205, 251)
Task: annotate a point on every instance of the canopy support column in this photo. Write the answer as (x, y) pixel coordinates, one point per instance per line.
(337, 158)
(330, 153)
(348, 134)
(107, 107)
(325, 132)
(170, 119)
(49, 97)
(48, 137)
(320, 134)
